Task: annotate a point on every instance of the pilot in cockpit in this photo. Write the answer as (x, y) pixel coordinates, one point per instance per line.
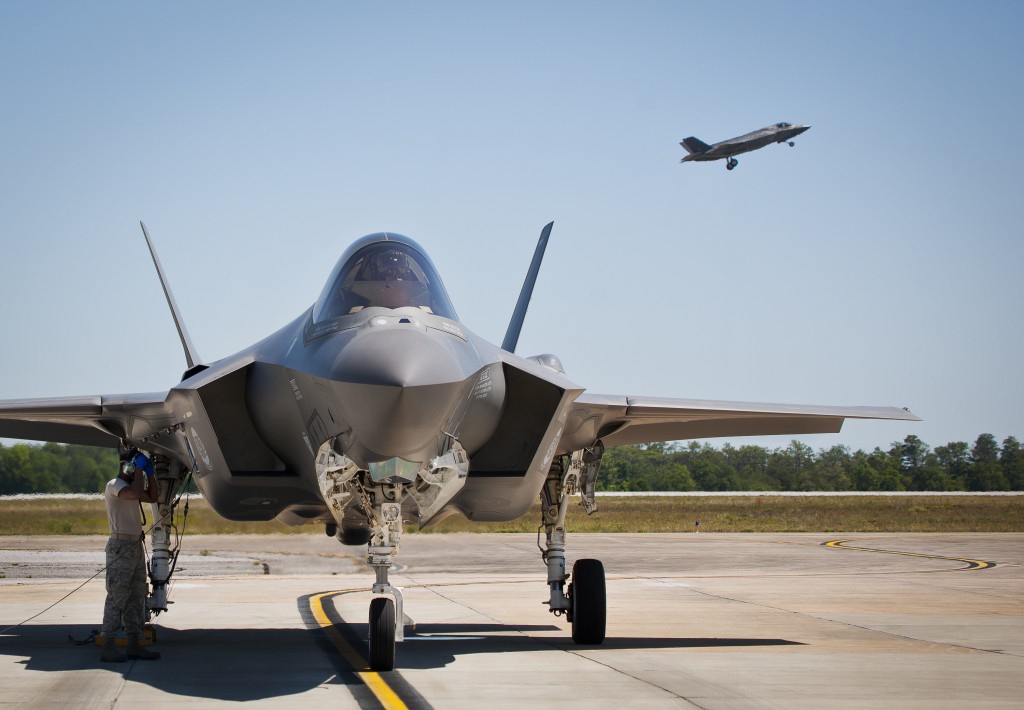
(391, 265)
(388, 274)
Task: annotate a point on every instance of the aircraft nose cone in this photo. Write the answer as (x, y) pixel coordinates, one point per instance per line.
(396, 357)
(397, 391)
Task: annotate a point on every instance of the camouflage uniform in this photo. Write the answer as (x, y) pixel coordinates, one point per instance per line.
(127, 581)
(126, 588)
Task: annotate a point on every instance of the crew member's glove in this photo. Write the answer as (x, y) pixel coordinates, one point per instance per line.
(143, 462)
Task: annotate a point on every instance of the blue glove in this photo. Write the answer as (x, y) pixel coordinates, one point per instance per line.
(142, 462)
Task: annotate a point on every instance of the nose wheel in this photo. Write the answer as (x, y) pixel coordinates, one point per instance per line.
(731, 163)
(382, 634)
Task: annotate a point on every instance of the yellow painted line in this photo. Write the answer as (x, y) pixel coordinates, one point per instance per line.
(971, 564)
(373, 680)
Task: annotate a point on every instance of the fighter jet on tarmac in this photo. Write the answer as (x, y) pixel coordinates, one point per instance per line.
(377, 406)
(779, 133)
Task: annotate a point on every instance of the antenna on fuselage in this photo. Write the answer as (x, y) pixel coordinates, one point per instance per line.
(191, 356)
(519, 315)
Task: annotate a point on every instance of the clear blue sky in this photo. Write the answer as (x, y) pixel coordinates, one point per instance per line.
(876, 263)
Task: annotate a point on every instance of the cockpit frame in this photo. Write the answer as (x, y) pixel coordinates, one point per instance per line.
(383, 270)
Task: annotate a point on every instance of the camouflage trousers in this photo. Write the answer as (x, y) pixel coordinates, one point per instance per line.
(126, 588)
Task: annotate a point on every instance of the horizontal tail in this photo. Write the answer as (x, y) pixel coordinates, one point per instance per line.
(695, 145)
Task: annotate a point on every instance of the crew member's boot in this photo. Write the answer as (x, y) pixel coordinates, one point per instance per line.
(110, 654)
(137, 652)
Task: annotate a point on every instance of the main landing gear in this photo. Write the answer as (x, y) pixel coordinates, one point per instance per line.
(164, 553)
(731, 163)
(583, 603)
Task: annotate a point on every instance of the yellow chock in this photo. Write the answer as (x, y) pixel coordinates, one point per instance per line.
(148, 636)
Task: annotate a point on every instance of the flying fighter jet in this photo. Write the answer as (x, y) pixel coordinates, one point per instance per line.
(779, 133)
(377, 406)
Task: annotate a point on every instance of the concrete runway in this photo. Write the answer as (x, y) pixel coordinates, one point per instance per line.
(694, 621)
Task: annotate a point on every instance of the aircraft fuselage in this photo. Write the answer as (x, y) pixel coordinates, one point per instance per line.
(779, 133)
(389, 387)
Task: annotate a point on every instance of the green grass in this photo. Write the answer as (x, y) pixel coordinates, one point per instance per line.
(780, 514)
(906, 513)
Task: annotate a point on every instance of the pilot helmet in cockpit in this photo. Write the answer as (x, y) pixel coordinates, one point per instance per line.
(382, 270)
(388, 265)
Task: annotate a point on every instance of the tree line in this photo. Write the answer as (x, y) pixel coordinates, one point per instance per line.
(908, 465)
(55, 468)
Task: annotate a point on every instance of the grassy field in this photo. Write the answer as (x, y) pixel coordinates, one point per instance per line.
(905, 513)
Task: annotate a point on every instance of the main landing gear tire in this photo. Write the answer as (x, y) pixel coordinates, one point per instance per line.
(382, 634)
(731, 163)
(587, 602)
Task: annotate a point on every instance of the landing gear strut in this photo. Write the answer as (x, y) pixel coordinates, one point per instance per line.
(583, 603)
(377, 492)
(162, 558)
(387, 616)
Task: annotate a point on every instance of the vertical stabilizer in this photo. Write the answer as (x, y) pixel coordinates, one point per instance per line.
(695, 145)
(519, 315)
(186, 342)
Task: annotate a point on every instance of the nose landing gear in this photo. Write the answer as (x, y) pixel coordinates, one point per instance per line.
(387, 615)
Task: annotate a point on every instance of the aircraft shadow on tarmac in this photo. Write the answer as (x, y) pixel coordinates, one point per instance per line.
(216, 664)
(254, 664)
(437, 645)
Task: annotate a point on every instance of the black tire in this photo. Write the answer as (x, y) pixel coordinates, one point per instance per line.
(382, 634)
(587, 596)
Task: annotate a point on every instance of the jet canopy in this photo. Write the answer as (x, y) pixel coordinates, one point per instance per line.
(383, 270)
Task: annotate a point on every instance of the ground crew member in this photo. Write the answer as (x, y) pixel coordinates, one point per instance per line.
(126, 561)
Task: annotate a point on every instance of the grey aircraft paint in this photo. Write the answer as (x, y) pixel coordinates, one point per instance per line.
(376, 405)
(391, 378)
(727, 149)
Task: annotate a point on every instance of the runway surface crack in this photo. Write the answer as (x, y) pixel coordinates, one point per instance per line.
(551, 644)
(121, 687)
(848, 624)
(580, 654)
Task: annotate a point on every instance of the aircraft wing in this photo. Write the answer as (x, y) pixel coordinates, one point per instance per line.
(619, 419)
(90, 421)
